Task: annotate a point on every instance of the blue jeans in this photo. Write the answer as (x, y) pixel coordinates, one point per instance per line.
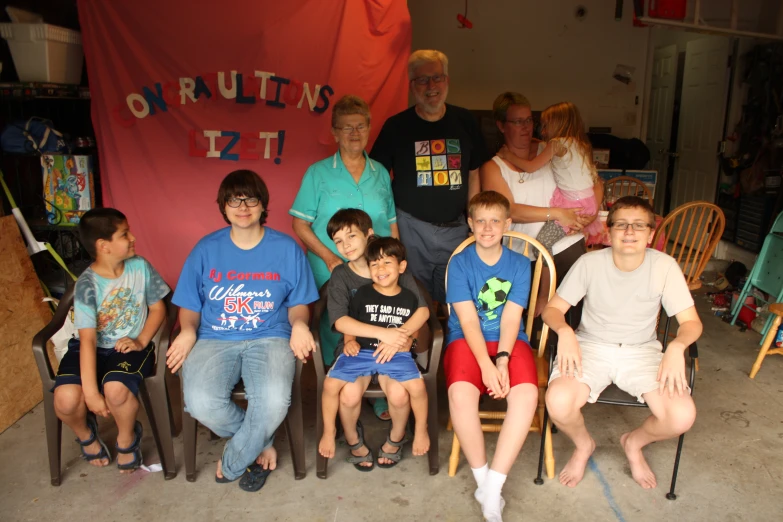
(209, 374)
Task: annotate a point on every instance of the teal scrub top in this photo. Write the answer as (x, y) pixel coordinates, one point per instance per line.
(327, 187)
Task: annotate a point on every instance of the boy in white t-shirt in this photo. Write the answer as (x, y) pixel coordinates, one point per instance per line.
(616, 342)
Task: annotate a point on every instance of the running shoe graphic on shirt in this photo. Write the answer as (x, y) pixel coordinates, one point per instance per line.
(438, 163)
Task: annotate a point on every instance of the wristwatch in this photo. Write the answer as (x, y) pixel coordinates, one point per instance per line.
(501, 354)
(414, 344)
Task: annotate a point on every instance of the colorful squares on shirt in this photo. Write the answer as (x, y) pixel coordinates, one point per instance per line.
(455, 177)
(439, 162)
(438, 146)
(452, 147)
(440, 178)
(423, 148)
(423, 163)
(424, 179)
(455, 161)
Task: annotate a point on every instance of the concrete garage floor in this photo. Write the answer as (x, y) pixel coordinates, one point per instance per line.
(732, 467)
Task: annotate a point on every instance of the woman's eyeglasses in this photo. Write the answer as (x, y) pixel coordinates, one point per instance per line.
(348, 130)
(527, 122)
(237, 202)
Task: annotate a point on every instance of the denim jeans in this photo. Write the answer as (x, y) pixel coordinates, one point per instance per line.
(209, 374)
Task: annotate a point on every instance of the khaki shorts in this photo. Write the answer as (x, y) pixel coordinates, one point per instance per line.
(632, 367)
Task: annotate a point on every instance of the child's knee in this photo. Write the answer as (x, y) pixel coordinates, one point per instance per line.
(416, 388)
(68, 399)
(116, 394)
(463, 397)
(681, 416)
(350, 397)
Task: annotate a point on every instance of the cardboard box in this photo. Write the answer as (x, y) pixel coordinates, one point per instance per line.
(68, 187)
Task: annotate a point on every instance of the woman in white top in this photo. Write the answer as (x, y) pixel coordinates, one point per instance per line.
(531, 192)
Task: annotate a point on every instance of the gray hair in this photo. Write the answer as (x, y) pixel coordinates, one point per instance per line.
(350, 104)
(423, 56)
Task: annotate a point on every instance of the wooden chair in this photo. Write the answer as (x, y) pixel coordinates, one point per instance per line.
(615, 396)
(775, 309)
(690, 233)
(152, 390)
(627, 186)
(374, 391)
(540, 423)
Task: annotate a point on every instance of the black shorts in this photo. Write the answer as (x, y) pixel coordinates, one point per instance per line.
(128, 368)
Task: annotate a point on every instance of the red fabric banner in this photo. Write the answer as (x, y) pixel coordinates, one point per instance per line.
(184, 92)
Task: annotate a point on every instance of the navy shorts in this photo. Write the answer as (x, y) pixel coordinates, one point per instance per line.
(128, 368)
(401, 367)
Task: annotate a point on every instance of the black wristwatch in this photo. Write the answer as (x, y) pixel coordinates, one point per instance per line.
(502, 354)
(414, 344)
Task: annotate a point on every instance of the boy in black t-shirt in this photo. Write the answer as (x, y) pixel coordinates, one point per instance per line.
(374, 309)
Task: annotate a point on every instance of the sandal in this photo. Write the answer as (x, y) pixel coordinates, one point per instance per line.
(254, 478)
(395, 457)
(379, 407)
(134, 448)
(357, 460)
(92, 423)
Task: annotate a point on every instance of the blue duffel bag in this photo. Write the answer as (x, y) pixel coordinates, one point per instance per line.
(33, 135)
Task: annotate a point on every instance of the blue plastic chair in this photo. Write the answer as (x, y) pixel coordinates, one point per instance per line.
(767, 273)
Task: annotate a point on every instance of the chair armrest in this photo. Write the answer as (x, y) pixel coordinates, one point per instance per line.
(693, 351)
(315, 323)
(46, 333)
(165, 334)
(436, 330)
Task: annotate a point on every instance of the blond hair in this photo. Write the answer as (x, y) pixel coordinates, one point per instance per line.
(503, 103)
(562, 120)
(423, 56)
(489, 199)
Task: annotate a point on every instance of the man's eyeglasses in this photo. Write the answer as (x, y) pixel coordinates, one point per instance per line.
(425, 80)
(348, 130)
(527, 122)
(638, 227)
(237, 202)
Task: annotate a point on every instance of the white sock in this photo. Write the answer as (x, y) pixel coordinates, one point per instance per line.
(492, 487)
(480, 474)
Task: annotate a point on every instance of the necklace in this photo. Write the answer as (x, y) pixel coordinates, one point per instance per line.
(521, 179)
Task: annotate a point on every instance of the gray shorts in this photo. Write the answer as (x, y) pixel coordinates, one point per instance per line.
(632, 367)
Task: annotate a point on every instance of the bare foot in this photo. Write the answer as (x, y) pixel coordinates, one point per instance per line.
(574, 470)
(421, 442)
(640, 470)
(268, 458)
(326, 446)
(95, 449)
(219, 472)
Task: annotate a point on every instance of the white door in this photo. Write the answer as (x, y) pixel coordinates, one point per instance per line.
(659, 126)
(703, 106)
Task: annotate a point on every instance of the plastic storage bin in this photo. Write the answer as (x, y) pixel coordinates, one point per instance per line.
(45, 53)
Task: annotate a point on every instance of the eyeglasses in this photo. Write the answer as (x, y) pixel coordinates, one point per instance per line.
(237, 202)
(527, 122)
(425, 80)
(638, 227)
(347, 130)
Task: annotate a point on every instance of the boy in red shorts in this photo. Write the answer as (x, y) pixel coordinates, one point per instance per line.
(488, 287)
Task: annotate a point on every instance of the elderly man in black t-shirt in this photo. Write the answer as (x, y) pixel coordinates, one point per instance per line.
(434, 151)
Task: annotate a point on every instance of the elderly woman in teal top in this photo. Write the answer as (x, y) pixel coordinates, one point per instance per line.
(349, 179)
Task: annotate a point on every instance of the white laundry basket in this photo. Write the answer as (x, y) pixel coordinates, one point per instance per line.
(45, 53)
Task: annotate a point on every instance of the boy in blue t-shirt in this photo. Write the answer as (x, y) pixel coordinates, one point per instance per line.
(118, 308)
(487, 351)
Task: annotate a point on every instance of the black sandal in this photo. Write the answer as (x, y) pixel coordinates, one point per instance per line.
(358, 460)
(254, 478)
(92, 423)
(134, 448)
(395, 457)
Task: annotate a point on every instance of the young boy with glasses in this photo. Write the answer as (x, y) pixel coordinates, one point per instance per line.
(623, 288)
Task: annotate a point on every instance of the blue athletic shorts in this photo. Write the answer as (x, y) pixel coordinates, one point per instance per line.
(128, 368)
(401, 367)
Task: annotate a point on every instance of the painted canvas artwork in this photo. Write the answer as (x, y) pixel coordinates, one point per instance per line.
(68, 187)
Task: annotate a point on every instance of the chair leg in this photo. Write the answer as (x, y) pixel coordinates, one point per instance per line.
(321, 462)
(538, 480)
(54, 432)
(454, 458)
(765, 347)
(670, 495)
(295, 426)
(189, 434)
(434, 429)
(157, 407)
(549, 456)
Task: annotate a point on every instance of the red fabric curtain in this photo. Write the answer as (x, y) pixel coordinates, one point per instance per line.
(184, 92)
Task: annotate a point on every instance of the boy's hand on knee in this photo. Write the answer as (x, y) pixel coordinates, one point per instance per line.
(671, 373)
(569, 356)
(126, 344)
(178, 351)
(302, 342)
(96, 404)
(384, 352)
(351, 348)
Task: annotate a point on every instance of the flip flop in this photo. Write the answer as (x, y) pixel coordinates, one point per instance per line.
(92, 423)
(134, 448)
(394, 457)
(379, 407)
(254, 478)
(358, 460)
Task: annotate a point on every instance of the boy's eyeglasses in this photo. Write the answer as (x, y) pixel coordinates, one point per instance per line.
(425, 80)
(237, 202)
(527, 122)
(638, 227)
(348, 130)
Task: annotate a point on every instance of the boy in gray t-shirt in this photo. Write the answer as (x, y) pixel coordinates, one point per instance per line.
(623, 290)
